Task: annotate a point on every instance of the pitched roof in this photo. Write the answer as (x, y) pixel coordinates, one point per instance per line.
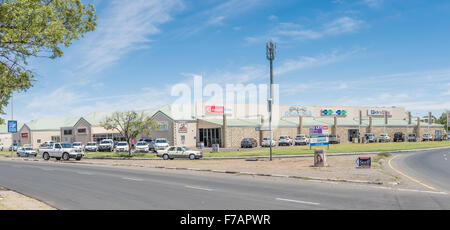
(51, 123)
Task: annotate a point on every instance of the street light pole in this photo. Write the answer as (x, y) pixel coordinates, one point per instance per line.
(270, 54)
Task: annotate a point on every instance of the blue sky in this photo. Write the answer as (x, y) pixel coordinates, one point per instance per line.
(337, 52)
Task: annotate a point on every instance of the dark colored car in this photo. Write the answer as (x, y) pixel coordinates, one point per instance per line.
(399, 137)
(249, 143)
(333, 139)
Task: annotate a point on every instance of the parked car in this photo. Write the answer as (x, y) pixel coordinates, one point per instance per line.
(334, 139)
(399, 137)
(301, 139)
(122, 146)
(14, 147)
(370, 137)
(78, 145)
(148, 140)
(179, 152)
(1, 146)
(438, 138)
(161, 144)
(412, 137)
(61, 151)
(143, 146)
(26, 152)
(384, 137)
(285, 140)
(266, 142)
(249, 143)
(427, 137)
(106, 145)
(91, 147)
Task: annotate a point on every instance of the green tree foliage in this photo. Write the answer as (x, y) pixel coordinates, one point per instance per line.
(443, 120)
(36, 28)
(129, 125)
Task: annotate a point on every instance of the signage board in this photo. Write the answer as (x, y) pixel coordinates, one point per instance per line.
(330, 112)
(12, 126)
(215, 109)
(363, 162)
(378, 112)
(298, 112)
(24, 135)
(318, 135)
(162, 126)
(182, 128)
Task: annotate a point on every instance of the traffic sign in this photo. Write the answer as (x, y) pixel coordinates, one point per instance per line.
(12, 126)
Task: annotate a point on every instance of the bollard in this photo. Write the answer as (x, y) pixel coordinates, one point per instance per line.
(320, 158)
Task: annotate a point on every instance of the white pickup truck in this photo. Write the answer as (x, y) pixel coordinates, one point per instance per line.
(60, 151)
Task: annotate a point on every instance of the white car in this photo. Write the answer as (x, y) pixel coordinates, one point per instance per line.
(179, 152)
(60, 151)
(106, 145)
(285, 140)
(122, 147)
(78, 145)
(427, 137)
(301, 139)
(266, 142)
(161, 144)
(142, 146)
(384, 137)
(26, 152)
(91, 147)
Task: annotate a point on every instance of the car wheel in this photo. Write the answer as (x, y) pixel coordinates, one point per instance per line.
(166, 157)
(78, 158)
(65, 156)
(46, 156)
(192, 157)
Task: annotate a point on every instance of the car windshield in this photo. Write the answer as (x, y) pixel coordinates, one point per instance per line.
(66, 146)
(121, 144)
(185, 148)
(142, 143)
(105, 142)
(76, 144)
(28, 148)
(91, 144)
(282, 137)
(161, 141)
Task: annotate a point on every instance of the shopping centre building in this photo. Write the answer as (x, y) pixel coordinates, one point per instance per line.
(210, 123)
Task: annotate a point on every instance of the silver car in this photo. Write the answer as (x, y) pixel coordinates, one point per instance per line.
(179, 152)
(26, 152)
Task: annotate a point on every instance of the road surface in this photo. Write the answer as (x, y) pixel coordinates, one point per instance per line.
(81, 187)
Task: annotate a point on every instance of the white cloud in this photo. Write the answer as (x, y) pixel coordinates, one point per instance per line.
(291, 31)
(123, 27)
(373, 3)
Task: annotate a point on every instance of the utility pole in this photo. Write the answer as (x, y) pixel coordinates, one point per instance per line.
(270, 54)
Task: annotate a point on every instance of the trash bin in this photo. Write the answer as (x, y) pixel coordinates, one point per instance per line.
(355, 140)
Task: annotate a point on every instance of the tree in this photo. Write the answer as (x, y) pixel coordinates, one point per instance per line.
(36, 28)
(443, 120)
(129, 125)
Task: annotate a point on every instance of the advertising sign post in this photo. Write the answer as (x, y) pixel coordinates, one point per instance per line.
(319, 136)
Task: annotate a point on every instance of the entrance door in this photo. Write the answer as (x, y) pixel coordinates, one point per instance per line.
(353, 133)
(210, 136)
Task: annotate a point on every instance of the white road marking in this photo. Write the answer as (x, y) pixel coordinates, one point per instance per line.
(409, 190)
(133, 179)
(205, 189)
(298, 201)
(85, 173)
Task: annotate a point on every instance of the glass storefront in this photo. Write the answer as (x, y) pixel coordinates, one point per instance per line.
(210, 136)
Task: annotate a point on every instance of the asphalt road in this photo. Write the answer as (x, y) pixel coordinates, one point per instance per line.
(431, 168)
(80, 187)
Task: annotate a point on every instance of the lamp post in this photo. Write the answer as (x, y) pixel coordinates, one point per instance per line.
(270, 54)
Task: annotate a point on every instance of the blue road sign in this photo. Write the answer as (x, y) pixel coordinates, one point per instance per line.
(12, 126)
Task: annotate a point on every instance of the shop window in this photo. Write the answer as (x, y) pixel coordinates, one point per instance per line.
(68, 132)
(82, 131)
(38, 141)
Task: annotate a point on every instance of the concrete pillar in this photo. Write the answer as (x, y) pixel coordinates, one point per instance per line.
(261, 133)
(300, 124)
(409, 118)
(418, 129)
(369, 130)
(334, 130)
(224, 131)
